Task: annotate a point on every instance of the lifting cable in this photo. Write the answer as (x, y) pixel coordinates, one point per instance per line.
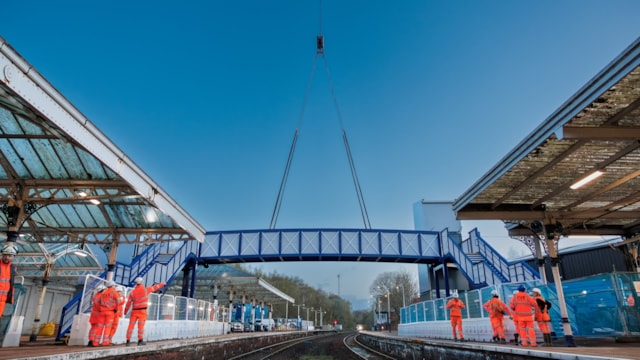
(352, 167)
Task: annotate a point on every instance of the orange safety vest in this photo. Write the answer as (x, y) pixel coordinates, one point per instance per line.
(455, 306)
(6, 285)
(522, 304)
(496, 308)
(541, 315)
(139, 296)
(631, 301)
(108, 299)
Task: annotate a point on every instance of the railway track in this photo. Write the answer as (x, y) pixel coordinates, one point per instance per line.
(338, 346)
(361, 350)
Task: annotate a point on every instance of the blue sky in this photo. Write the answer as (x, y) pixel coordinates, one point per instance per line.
(205, 97)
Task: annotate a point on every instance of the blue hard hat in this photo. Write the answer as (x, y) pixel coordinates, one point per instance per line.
(521, 288)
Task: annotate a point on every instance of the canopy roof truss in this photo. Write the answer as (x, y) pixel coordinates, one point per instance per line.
(62, 180)
(598, 129)
(227, 279)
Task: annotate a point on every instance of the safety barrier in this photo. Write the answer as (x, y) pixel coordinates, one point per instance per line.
(187, 317)
(603, 305)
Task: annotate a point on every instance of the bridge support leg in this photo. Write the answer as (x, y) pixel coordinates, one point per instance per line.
(185, 281)
(445, 270)
(437, 281)
(192, 288)
(541, 268)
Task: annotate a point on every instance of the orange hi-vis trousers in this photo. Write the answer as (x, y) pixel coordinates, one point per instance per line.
(105, 319)
(527, 332)
(456, 321)
(497, 322)
(114, 326)
(140, 316)
(543, 326)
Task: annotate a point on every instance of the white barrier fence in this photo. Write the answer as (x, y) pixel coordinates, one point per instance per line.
(473, 329)
(168, 317)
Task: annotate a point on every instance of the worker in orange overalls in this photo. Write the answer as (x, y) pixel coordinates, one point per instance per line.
(455, 307)
(107, 311)
(139, 301)
(119, 310)
(95, 313)
(514, 317)
(523, 306)
(496, 309)
(7, 274)
(542, 315)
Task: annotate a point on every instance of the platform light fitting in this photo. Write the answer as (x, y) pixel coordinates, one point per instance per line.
(79, 253)
(587, 179)
(82, 193)
(94, 201)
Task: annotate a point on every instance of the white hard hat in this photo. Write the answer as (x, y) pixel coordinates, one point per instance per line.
(100, 288)
(515, 292)
(9, 250)
(138, 280)
(120, 289)
(455, 295)
(536, 290)
(495, 293)
(111, 283)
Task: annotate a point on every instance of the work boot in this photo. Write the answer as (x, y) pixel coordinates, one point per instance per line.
(461, 339)
(516, 340)
(495, 339)
(503, 341)
(128, 343)
(141, 342)
(547, 340)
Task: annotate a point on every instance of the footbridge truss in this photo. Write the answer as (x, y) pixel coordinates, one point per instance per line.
(321, 245)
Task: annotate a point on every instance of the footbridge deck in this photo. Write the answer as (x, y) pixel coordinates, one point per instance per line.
(321, 245)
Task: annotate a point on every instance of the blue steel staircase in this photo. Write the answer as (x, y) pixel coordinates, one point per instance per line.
(481, 264)
(154, 265)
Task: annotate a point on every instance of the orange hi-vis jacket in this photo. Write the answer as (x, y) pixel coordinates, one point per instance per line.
(455, 306)
(6, 283)
(496, 308)
(139, 297)
(119, 304)
(541, 309)
(108, 299)
(522, 305)
(95, 308)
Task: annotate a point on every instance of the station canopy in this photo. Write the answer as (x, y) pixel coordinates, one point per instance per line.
(594, 137)
(228, 278)
(66, 261)
(63, 181)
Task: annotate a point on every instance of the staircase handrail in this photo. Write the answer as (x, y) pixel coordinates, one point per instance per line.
(175, 263)
(518, 269)
(479, 274)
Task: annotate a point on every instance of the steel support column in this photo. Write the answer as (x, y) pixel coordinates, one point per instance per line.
(43, 291)
(555, 260)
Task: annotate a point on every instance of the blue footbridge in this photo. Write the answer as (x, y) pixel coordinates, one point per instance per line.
(477, 260)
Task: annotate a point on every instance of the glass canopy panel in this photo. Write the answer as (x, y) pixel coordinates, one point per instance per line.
(49, 157)
(30, 158)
